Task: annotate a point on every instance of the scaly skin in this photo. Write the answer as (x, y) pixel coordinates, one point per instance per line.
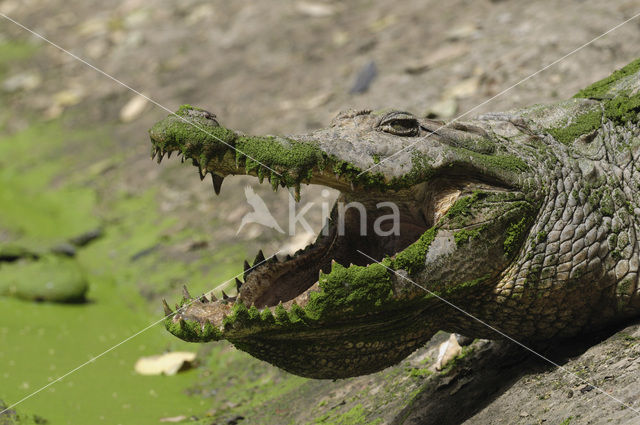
(528, 220)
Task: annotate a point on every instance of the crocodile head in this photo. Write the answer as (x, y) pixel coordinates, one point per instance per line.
(442, 212)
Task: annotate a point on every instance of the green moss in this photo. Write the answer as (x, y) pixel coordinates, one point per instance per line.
(607, 206)
(541, 236)
(623, 108)
(355, 288)
(463, 236)
(601, 89)
(412, 258)
(515, 236)
(294, 160)
(461, 210)
(174, 134)
(582, 124)
(625, 287)
(616, 255)
(495, 164)
(419, 372)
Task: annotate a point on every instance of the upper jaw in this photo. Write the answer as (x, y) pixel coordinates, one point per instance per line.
(354, 152)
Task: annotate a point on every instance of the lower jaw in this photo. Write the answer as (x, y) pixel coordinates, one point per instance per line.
(341, 351)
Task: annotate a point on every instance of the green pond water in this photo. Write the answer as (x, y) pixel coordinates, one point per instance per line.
(42, 341)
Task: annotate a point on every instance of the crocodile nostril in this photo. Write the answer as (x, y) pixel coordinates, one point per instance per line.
(196, 113)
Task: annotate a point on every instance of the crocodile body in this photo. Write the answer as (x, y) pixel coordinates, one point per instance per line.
(527, 220)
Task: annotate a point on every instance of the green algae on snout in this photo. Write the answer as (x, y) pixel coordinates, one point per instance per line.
(600, 89)
(582, 124)
(50, 278)
(621, 104)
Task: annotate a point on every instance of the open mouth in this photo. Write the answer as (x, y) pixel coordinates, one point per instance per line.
(359, 222)
(382, 215)
(379, 224)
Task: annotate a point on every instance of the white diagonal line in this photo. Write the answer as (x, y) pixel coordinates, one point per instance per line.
(134, 90)
(449, 303)
(503, 92)
(93, 359)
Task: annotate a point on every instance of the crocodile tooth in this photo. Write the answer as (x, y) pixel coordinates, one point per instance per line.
(160, 156)
(259, 259)
(167, 309)
(224, 296)
(202, 173)
(204, 299)
(169, 154)
(283, 184)
(238, 284)
(154, 152)
(182, 159)
(275, 182)
(185, 292)
(213, 297)
(217, 183)
(247, 270)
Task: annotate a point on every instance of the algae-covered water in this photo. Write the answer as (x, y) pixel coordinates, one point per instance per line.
(48, 196)
(42, 341)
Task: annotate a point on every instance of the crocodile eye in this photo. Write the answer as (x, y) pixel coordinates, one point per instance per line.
(399, 124)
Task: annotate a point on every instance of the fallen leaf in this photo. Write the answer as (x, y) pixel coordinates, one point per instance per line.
(165, 364)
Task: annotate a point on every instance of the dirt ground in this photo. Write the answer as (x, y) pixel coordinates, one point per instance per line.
(282, 67)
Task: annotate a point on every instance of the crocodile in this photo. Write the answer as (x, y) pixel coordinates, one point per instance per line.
(524, 221)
